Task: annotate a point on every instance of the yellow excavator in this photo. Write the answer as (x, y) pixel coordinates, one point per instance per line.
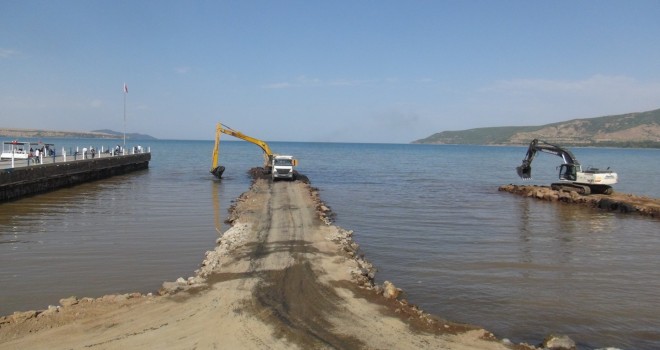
(279, 166)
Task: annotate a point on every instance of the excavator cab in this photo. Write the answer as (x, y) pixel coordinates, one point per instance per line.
(568, 172)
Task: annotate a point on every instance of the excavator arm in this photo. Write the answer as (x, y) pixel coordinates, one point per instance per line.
(215, 169)
(223, 129)
(525, 170)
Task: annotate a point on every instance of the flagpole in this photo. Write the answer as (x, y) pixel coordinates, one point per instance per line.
(125, 93)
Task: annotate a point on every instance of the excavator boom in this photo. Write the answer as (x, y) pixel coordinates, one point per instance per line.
(525, 170)
(223, 129)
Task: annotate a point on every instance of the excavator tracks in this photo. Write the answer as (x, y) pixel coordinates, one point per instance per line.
(580, 189)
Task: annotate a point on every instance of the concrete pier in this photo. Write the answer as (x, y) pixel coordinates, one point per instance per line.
(21, 181)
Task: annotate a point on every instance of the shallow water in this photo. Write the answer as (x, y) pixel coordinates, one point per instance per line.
(429, 217)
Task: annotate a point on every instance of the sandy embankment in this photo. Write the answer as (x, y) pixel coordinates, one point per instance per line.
(282, 277)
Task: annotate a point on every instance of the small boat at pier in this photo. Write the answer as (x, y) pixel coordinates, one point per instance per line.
(15, 149)
(23, 150)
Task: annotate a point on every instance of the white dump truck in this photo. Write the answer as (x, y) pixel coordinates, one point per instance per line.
(282, 167)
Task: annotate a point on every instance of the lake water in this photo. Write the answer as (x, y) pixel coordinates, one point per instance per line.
(429, 217)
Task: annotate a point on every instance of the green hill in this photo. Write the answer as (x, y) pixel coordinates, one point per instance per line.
(624, 130)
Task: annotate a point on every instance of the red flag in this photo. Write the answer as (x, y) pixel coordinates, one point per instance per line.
(125, 88)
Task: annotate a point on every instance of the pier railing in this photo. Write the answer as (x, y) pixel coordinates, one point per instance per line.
(80, 153)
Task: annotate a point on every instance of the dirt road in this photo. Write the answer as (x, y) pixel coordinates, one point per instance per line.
(281, 278)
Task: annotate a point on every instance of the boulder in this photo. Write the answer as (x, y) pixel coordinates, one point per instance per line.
(52, 309)
(558, 342)
(19, 317)
(69, 301)
(390, 291)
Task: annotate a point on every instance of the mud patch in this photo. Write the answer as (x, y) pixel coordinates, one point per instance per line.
(296, 303)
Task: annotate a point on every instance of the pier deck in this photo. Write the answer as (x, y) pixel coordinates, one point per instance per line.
(29, 178)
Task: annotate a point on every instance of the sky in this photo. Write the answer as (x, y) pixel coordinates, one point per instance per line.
(323, 71)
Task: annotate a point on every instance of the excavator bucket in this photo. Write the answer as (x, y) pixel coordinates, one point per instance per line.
(217, 172)
(524, 171)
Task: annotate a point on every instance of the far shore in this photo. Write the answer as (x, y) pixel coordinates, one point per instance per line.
(39, 133)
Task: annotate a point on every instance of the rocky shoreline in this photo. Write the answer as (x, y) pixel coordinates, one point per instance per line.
(617, 202)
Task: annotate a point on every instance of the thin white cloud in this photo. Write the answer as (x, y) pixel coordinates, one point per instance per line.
(593, 96)
(282, 85)
(182, 70)
(301, 81)
(96, 103)
(348, 82)
(7, 53)
(304, 81)
(592, 86)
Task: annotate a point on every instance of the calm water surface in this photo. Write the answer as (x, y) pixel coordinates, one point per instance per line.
(429, 217)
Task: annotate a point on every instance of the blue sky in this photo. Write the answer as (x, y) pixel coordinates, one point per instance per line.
(323, 71)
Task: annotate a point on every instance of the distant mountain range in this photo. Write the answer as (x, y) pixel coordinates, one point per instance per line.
(624, 130)
(132, 136)
(100, 134)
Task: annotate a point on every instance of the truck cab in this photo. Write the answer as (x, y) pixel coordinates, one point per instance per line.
(282, 167)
